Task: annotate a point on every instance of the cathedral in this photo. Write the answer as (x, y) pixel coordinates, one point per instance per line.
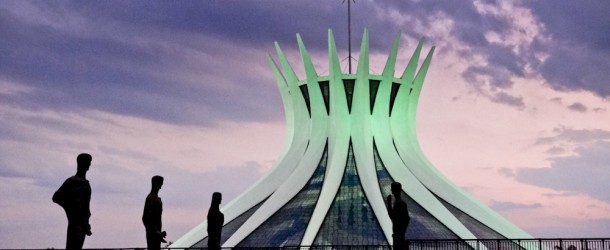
(349, 136)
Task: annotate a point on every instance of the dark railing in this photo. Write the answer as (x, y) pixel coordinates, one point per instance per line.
(478, 244)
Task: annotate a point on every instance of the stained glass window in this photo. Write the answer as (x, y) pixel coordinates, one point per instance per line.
(325, 94)
(423, 225)
(477, 228)
(350, 220)
(393, 94)
(349, 92)
(305, 93)
(480, 230)
(287, 226)
(373, 88)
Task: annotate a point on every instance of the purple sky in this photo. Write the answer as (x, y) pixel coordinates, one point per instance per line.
(515, 108)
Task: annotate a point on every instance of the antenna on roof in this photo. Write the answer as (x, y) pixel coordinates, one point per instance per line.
(349, 33)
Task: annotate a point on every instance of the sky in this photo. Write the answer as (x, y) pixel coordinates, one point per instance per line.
(515, 108)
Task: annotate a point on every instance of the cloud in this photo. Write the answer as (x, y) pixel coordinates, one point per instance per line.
(586, 173)
(497, 40)
(575, 22)
(502, 206)
(196, 67)
(560, 194)
(557, 100)
(524, 38)
(574, 136)
(577, 68)
(490, 82)
(507, 172)
(556, 150)
(497, 77)
(574, 229)
(9, 172)
(578, 107)
(168, 62)
(580, 50)
(504, 98)
(143, 75)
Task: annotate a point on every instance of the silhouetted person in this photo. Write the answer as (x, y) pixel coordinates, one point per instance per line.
(74, 196)
(400, 216)
(215, 221)
(153, 208)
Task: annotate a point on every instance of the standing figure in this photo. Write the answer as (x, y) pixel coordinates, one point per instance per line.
(153, 208)
(74, 197)
(399, 215)
(215, 221)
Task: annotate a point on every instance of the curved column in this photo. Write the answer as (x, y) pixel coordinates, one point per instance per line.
(338, 143)
(362, 141)
(307, 164)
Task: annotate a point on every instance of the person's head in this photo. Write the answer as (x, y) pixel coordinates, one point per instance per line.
(396, 188)
(157, 182)
(83, 161)
(216, 198)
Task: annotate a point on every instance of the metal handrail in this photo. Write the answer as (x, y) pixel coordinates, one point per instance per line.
(430, 244)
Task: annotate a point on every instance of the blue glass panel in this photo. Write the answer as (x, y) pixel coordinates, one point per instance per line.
(325, 93)
(393, 94)
(350, 220)
(423, 225)
(373, 88)
(349, 92)
(229, 229)
(477, 228)
(287, 226)
(305, 93)
(480, 230)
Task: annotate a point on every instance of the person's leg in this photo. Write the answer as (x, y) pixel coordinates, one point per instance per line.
(152, 241)
(213, 242)
(75, 238)
(399, 241)
(69, 239)
(80, 240)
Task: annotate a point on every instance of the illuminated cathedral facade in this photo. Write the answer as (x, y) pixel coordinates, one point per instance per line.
(349, 136)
